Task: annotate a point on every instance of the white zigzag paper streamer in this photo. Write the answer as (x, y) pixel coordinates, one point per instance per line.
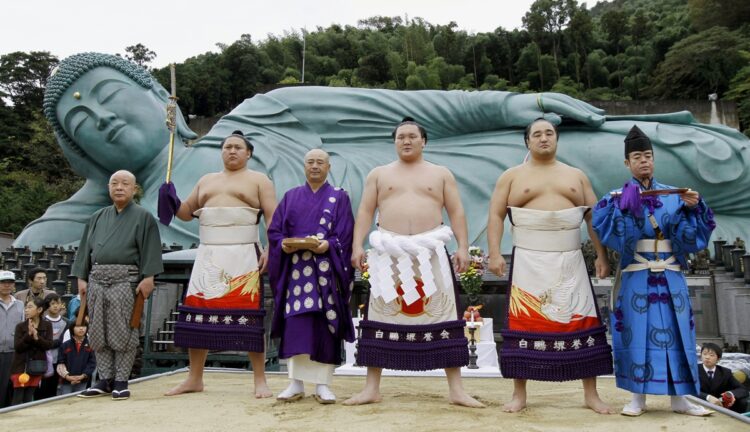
(425, 269)
(408, 284)
(372, 258)
(387, 283)
(445, 269)
(405, 249)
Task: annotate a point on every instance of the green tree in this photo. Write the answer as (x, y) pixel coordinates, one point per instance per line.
(381, 23)
(494, 82)
(635, 76)
(242, 63)
(528, 65)
(614, 23)
(567, 86)
(421, 77)
(24, 196)
(700, 64)
(26, 142)
(10, 128)
(340, 43)
(580, 33)
(546, 20)
(417, 41)
(637, 63)
(374, 67)
(739, 91)
(345, 76)
(602, 94)
(596, 72)
(140, 55)
(640, 27)
(34, 174)
(536, 68)
(202, 84)
(501, 54)
(615, 26)
(475, 57)
(396, 68)
(705, 14)
(447, 73)
(23, 77)
(449, 43)
(291, 76)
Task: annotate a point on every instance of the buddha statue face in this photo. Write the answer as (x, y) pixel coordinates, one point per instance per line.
(117, 123)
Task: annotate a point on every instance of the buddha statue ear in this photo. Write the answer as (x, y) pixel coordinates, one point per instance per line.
(183, 130)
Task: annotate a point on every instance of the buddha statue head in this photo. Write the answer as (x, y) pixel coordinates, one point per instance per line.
(108, 114)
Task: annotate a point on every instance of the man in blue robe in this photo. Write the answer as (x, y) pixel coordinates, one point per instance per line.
(310, 248)
(653, 329)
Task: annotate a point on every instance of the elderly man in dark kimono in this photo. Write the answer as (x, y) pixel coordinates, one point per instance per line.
(310, 241)
(118, 257)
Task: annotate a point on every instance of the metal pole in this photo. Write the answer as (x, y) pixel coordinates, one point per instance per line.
(719, 409)
(171, 121)
(304, 46)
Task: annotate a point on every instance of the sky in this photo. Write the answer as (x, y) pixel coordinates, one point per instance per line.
(179, 30)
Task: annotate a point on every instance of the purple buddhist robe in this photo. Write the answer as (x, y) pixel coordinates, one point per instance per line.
(312, 291)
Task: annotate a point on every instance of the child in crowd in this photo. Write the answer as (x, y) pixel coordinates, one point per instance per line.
(50, 382)
(32, 339)
(76, 361)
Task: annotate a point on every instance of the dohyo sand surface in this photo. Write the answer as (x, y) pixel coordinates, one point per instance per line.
(409, 404)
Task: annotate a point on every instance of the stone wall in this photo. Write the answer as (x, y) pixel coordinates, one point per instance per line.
(719, 112)
(732, 308)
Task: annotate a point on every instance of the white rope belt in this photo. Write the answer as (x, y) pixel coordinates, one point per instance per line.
(656, 266)
(405, 250)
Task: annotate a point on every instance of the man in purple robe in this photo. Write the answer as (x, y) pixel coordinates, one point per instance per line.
(310, 248)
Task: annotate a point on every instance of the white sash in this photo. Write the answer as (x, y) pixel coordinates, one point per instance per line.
(546, 240)
(228, 225)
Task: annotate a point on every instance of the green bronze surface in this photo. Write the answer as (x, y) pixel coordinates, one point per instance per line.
(118, 123)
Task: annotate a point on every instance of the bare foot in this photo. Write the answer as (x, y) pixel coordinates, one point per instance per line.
(363, 398)
(516, 404)
(261, 389)
(463, 399)
(595, 403)
(188, 386)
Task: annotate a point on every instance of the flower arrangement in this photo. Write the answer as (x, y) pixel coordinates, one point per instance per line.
(471, 279)
(365, 276)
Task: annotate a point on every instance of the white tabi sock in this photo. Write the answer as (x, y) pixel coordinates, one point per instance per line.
(295, 387)
(324, 392)
(637, 404)
(681, 405)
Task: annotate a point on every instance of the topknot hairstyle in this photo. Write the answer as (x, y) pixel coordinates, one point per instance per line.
(239, 134)
(410, 121)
